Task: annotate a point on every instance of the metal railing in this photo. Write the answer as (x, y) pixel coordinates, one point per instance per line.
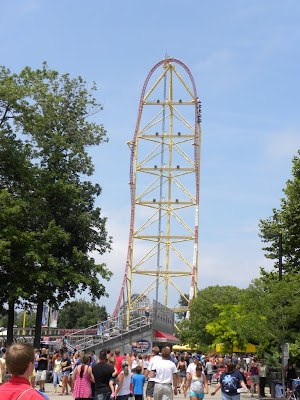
(105, 331)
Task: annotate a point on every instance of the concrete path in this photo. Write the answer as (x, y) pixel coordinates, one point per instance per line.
(244, 396)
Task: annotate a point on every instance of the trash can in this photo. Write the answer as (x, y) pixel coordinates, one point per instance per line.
(276, 389)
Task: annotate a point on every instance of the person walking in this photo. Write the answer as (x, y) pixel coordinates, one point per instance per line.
(230, 382)
(151, 381)
(138, 381)
(56, 374)
(164, 373)
(192, 366)
(82, 378)
(209, 371)
(254, 376)
(119, 360)
(2, 370)
(123, 387)
(197, 383)
(42, 368)
(66, 368)
(290, 374)
(182, 367)
(102, 373)
(262, 371)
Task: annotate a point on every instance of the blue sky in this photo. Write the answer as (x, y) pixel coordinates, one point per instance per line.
(244, 56)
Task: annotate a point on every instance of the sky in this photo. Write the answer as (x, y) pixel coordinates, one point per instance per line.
(245, 61)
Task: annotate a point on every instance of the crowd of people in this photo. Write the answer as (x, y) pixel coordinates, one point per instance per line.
(116, 376)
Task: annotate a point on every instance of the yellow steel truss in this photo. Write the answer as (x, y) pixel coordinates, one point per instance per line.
(148, 147)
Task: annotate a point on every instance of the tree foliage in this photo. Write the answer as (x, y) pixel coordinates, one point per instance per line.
(267, 312)
(80, 314)
(203, 312)
(182, 302)
(225, 331)
(286, 220)
(50, 225)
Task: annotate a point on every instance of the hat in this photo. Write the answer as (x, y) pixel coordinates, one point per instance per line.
(196, 356)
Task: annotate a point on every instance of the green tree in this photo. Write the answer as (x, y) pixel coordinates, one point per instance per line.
(286, 220)
(30, 318)
(182, 302)
(226, 328)
(203, 311)
(264, 315)
(80, 314)
(16, 176)
(51, 114)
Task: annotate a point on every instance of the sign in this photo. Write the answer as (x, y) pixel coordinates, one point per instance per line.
(285, 353)
(53, 319)
(141, 346)
(45, 315)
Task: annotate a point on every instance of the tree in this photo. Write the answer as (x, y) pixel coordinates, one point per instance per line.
(286, 220)
(265, 315)
(182, 302)
(30, 318)
(225, 328)
(50, 113)
(15, 184)
(203, 311)
(80, 314)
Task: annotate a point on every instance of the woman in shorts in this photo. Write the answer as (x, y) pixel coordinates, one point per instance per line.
(231, 383)
(182, 367)
(197, 383)
(66, 368)
(254, 376)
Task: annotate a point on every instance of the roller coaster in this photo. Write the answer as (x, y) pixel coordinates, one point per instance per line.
(163, 237)
(164, 189)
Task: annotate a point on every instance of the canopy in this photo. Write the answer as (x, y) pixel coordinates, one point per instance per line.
(165, 337)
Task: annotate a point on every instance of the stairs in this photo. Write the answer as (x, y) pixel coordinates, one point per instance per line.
(106, 332)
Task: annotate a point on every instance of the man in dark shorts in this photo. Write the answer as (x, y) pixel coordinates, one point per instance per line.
(151, 381)
(42, 369)
(102, 373)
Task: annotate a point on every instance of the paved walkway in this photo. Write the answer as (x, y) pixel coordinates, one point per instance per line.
(244, 396)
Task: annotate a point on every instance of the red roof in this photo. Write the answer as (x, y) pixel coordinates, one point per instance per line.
(165, 337)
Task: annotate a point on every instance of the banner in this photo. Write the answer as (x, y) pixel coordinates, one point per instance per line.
(53, 318)
(45, 315)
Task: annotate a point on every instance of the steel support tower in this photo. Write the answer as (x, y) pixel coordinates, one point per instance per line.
(164, 187)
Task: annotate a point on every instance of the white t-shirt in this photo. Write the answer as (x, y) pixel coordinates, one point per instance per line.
(191, 369)
(164, 369)
(152, 361)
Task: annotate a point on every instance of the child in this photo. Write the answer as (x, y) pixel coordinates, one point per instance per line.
(138, 381)
(112, 362)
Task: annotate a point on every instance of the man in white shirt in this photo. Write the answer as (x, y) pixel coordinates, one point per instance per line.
(164, 372)
(151, 381)
(191, 369)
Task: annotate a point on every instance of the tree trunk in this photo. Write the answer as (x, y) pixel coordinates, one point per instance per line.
(10, 321)
(38, 324)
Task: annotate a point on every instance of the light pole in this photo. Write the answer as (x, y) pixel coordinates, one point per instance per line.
(279, 235)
